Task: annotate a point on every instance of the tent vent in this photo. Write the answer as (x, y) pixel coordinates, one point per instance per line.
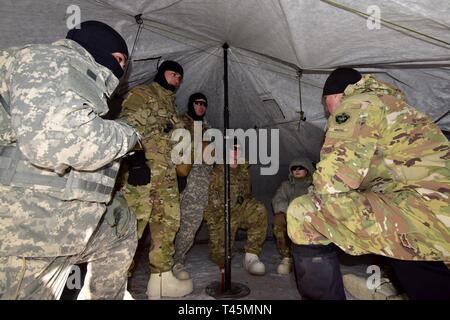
(271, 105)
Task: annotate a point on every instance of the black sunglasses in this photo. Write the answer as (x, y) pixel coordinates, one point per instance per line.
(201, 102)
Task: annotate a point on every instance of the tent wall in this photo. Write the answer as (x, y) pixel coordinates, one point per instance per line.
(269, 41)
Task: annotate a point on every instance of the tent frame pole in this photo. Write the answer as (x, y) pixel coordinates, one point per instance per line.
(226, 289)
(227, 208)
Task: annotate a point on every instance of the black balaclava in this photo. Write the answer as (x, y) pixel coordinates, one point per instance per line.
(167, 65)
(100, 40)
(191, 110)
(339, 79)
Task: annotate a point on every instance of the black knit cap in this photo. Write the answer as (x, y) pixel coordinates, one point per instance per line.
(100, 40)
(339, 79)
(167, 65)
(191, 110)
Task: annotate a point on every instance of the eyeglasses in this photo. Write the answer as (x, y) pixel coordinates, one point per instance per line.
(201, 102)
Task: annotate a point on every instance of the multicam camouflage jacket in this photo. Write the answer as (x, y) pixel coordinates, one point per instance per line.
(151, 109)
(240, 185)
(382, 185)
(376, 141)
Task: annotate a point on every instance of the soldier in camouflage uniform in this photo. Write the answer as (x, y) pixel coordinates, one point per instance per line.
(382, 186)
(194, 198)
(59, 160)
(151, 109)
(246, 213)
(300, 178)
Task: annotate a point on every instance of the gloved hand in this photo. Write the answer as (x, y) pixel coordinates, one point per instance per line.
(240, 200)
(139, 173)
(182, 182)
(118, 215)
(169, 126)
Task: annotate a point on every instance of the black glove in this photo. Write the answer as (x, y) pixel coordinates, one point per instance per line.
(118, 215)
(139, 173)
(182, 181)
(169, 126)
(240, 200)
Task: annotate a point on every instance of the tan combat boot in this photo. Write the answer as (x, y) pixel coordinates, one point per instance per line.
(253, 265)
(357, 287)
(165, 284)
(180, 272)
(285, 266)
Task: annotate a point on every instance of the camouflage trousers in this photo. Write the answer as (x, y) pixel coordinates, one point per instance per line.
(193, 202)
(281, 236)
(401, 225)
(251, 216)
(157, 204)
(108, 258)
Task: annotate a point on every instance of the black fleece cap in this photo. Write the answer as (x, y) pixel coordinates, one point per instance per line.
(191, 110)
(339, 79)
(171, 66)
(100, 40)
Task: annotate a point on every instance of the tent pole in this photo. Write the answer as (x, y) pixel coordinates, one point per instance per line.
(226, 289)
(226, 125)
(140, 24)
(301, 112)
(441, 117)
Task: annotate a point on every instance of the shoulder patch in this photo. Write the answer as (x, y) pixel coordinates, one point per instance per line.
(342, 117)
(140, 92)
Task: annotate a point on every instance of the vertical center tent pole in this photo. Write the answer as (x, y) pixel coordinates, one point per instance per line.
(227, 289)
(227, 209)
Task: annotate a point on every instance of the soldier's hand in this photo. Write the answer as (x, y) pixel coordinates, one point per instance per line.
(169, 126)
(118, 215)
(240, 200)
(139, 172)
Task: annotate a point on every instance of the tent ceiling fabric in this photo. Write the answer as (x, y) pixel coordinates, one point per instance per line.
(268, 41)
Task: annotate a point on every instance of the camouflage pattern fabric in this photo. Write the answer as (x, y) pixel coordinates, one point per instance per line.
(383, 183)
(184, 168)
(152, 111)
(55, 121)
(293, 187)
(287, 192)
(246, 213)
(108, 258)
(279, 228)
(189, 124)
(193, 200)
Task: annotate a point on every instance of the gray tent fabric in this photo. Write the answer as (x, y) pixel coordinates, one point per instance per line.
(270, 42)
